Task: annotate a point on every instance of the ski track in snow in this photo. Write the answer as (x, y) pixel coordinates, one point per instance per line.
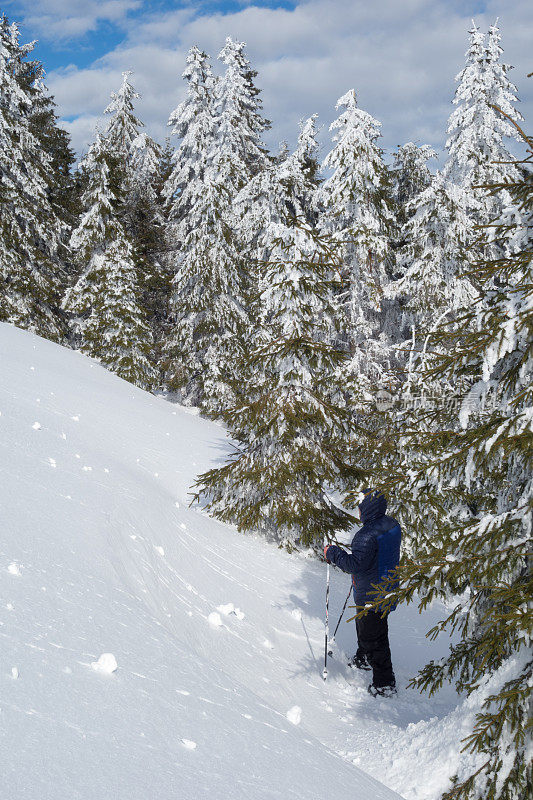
(201, 641)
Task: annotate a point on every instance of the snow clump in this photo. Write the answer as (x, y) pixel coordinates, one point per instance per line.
(228, 609)
(294, 715)
(188, 744)
(107, 664)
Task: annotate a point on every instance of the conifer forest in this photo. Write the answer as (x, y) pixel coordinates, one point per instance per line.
(358, 320)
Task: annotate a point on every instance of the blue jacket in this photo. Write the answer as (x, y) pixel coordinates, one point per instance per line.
(375, 548)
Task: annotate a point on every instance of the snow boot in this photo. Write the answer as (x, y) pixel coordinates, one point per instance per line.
(359, 662)
(382, 691)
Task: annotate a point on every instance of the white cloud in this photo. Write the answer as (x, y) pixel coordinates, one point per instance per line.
(70, 19)
(400, 57)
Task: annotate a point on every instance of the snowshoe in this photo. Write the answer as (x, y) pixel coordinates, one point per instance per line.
(359, 662)
(382, 691)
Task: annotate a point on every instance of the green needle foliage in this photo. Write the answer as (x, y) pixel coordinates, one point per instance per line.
(468, 484)
(293, 426)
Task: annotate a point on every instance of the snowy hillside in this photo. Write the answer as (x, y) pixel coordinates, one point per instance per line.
(218, 637)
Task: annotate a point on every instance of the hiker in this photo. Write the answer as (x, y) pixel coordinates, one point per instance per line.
(375, 551)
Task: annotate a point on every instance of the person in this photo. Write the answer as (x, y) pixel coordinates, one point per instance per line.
(375, 551)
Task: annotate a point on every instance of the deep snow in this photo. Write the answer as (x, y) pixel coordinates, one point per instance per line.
(150, 651)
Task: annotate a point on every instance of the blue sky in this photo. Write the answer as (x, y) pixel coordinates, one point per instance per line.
(401, 56)
(102, 34)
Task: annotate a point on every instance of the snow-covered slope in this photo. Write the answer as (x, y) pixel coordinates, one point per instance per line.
(218, 636)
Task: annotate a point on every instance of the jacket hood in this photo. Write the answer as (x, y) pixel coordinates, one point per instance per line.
(373, 506)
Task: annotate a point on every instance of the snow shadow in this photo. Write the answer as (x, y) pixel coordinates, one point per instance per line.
(410, 648)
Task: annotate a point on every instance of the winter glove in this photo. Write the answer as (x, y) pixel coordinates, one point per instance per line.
(326, 553)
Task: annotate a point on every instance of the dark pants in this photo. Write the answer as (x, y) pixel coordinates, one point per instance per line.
(373, 642)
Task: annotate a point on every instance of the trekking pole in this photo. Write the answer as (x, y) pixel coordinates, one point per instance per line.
(325, 672)
(330, 653)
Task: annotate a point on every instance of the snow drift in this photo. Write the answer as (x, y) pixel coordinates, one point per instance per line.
(102, 563)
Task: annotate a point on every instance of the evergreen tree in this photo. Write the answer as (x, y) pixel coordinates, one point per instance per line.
(55, 142)
(437, 235)
(240, 153)
(293, 424)
(477, 133)
(31, 230)
(469, 500)
(104, 303)
(146, 225)
(271, 207)
(278, 195)
(123, 126)
(208, 310)
(411, 176)
(134, 178)
(192, 121)
(357, 208)
(210, 316)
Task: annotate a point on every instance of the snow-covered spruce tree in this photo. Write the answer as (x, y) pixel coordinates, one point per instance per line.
(356, 206)
(268, 210)
(104, 302)
(307, 157)
(209, 315)
(123, 126)
(140, 211)
(55, 142)
(476, 133)
(240, 124)
(146, 225)
(437, 249)
(470, 487)
(410, 177)
(293, 425)
(239, 153)
(272, 199)
(205, 341)
(31, 230)
(192, 122)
